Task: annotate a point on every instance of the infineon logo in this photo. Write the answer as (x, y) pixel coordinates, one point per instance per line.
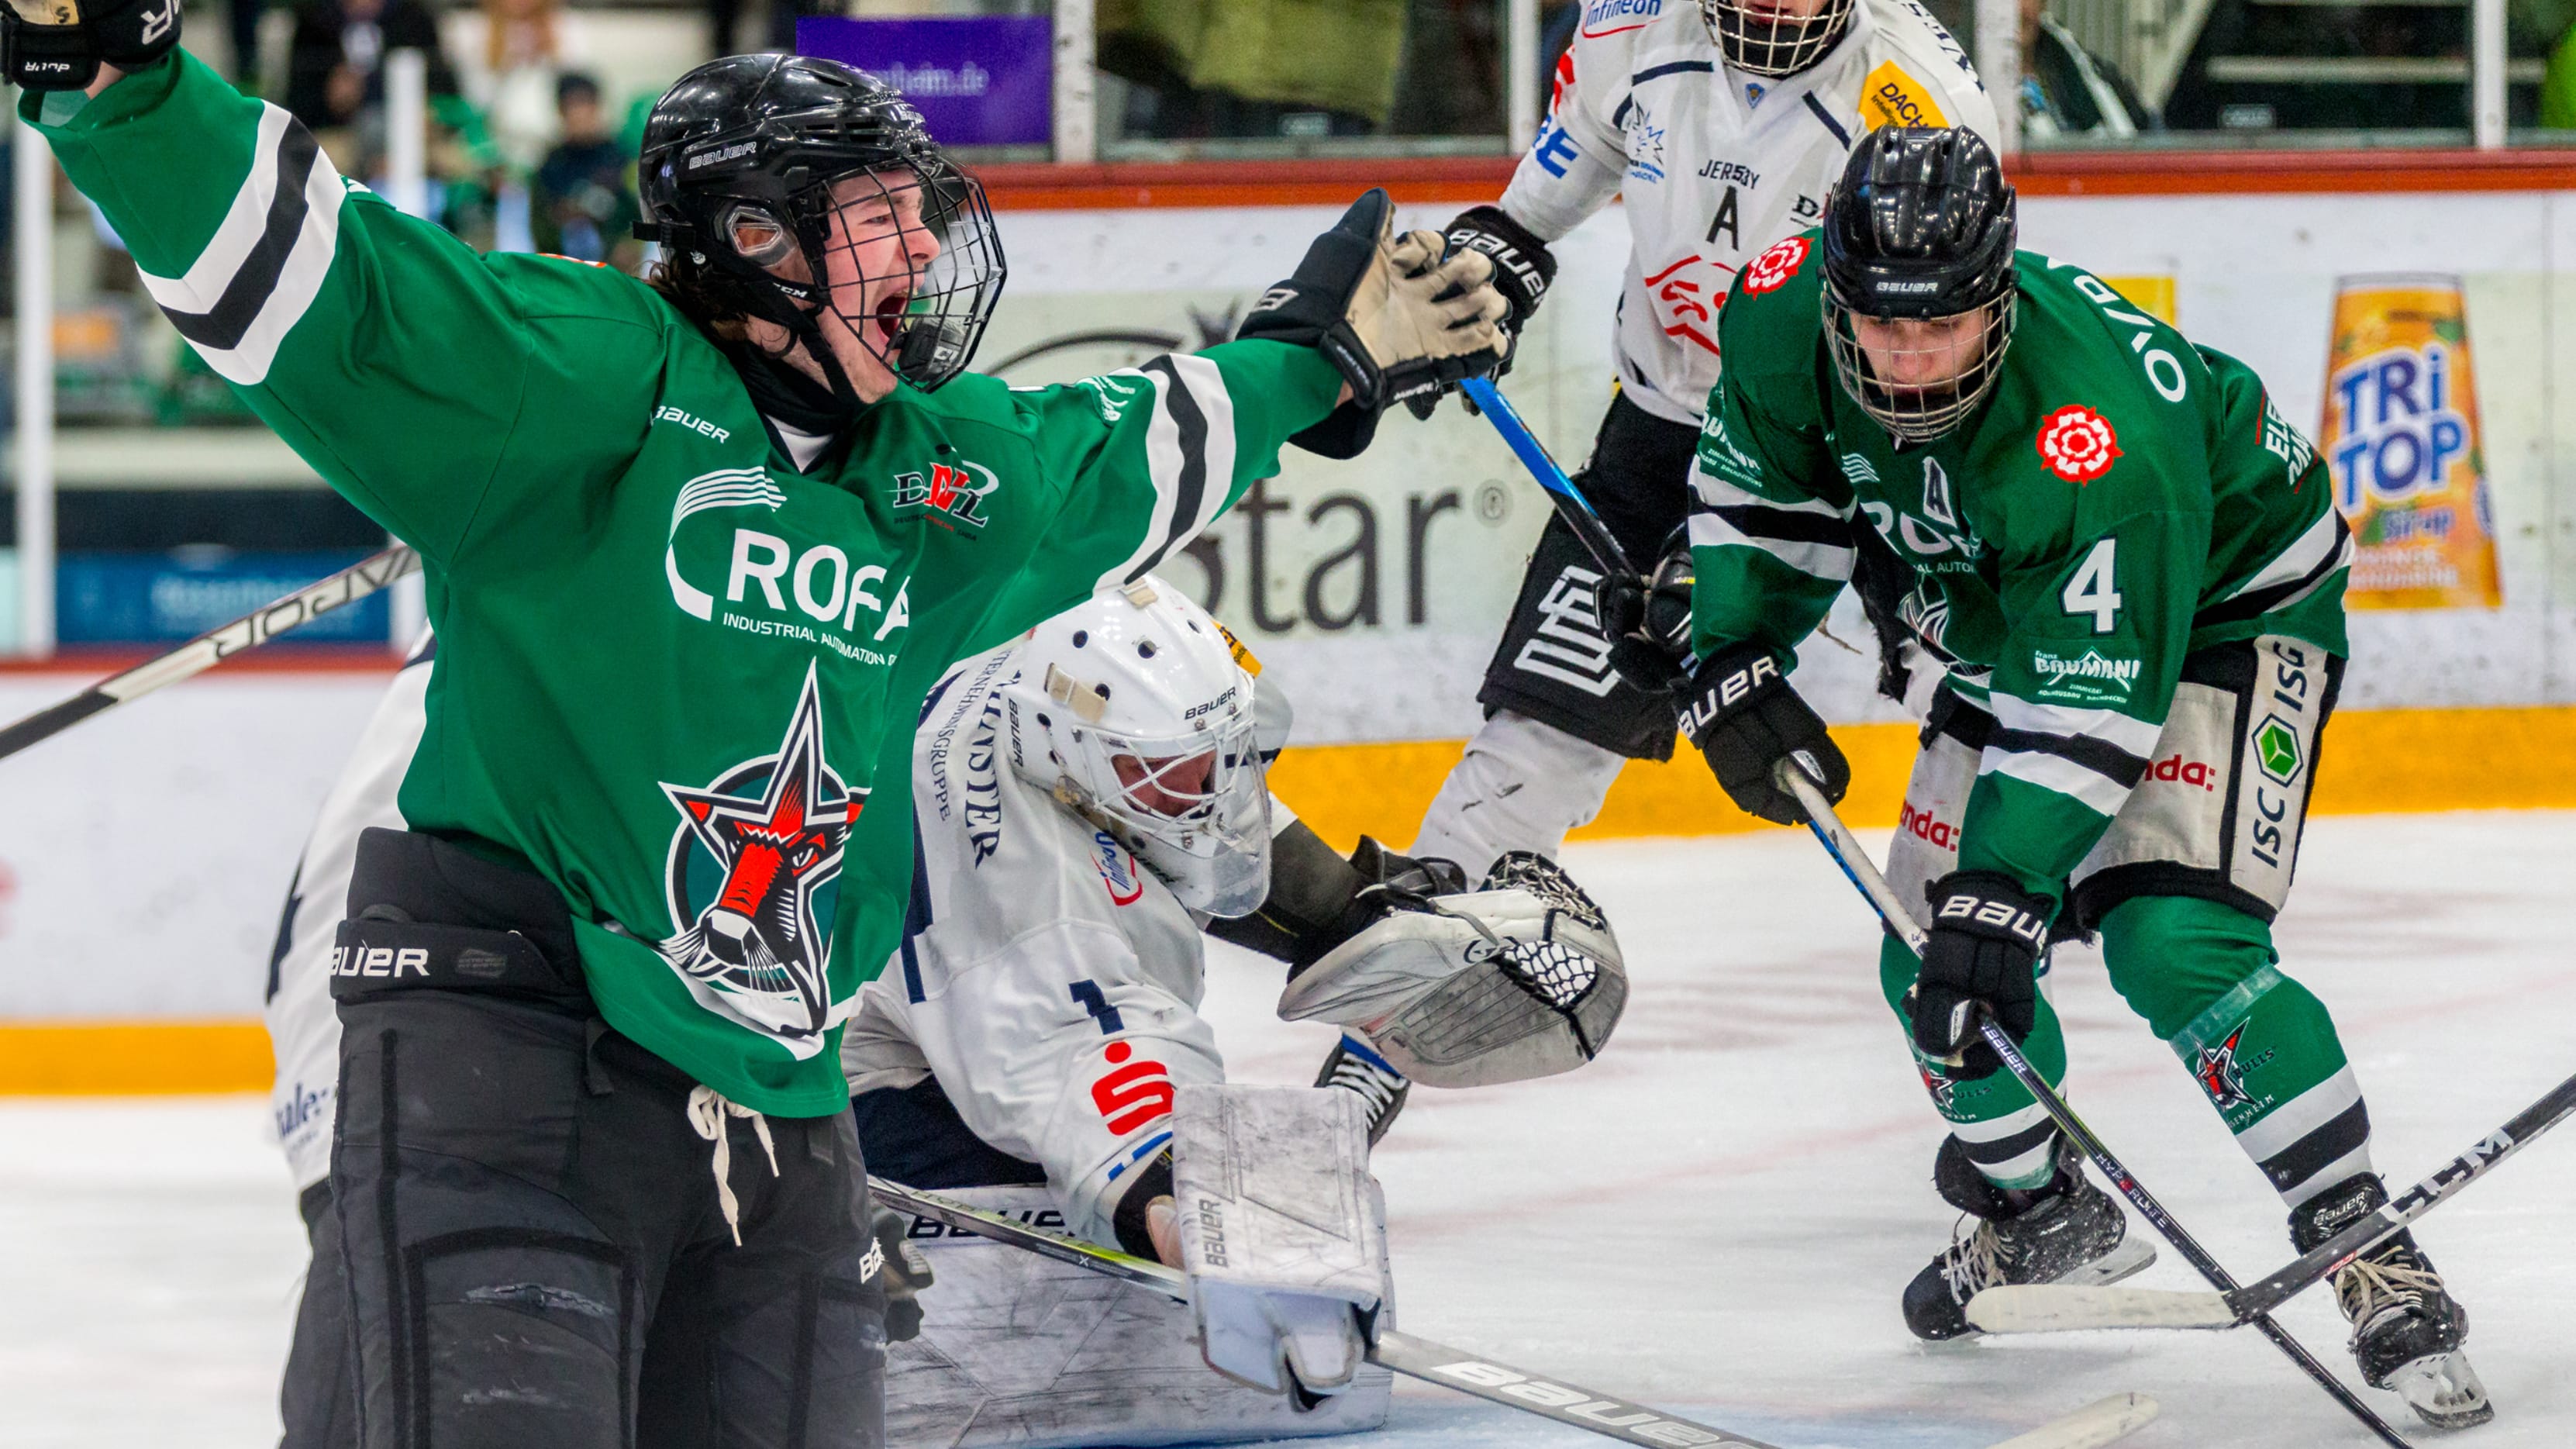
(1609, 17)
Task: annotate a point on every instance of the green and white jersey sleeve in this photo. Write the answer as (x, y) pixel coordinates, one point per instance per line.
(1140, 461)
(1771, 514)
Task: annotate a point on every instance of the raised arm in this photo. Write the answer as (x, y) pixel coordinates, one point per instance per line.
(390, 355)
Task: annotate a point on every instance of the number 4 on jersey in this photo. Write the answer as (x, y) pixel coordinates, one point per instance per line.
(2094, 590)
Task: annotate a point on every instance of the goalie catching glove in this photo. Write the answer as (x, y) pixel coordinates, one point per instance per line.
(1519, 979)
(1393, 314)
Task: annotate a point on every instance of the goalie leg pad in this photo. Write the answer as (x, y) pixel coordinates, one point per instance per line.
(1520, 979)
(1283, 1232)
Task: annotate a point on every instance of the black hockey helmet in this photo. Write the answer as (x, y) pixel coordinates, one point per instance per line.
(1764, 39)
(742, 166)
(1921, 228)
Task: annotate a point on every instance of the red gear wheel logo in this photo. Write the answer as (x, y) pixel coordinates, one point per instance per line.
(1773, 269)
(2078, 444)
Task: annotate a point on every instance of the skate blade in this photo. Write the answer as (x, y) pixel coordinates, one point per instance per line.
(2134, 1256)
(2106, 1421)
(2444, 1391)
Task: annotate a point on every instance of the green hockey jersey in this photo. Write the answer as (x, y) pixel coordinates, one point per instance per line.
(676, 675)
(2121, 499)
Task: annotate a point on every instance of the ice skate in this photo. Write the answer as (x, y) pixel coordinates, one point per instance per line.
(2068, 1231)
(2407, 1330)
(1354, 1067)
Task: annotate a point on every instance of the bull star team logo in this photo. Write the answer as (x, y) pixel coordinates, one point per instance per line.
(2218, 1072)
(752, 869)
(1773, 269)
(2078, 444)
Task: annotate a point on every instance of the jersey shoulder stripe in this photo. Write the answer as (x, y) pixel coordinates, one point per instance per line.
(255, 278)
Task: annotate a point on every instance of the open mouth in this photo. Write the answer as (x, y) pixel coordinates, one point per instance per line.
(888, 320)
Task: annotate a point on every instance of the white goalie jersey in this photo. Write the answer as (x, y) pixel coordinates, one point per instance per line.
(1716, 166)
(1046, 978)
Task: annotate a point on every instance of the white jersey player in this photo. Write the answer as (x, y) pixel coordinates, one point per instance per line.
(1722, 124)
(1085, 800)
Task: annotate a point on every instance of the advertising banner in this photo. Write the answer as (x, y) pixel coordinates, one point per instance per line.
(981, 80)
(156, 598)
(2401, 438)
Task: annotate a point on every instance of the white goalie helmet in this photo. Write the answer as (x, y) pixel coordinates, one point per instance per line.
(1132, 709)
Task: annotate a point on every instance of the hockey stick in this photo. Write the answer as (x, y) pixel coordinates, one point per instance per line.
(1569, 500)
(2104, 1422)
(1790, 775)
(2044, 1308)
(251, 630)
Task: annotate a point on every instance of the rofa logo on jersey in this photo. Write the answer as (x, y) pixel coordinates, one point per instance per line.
(1773, 269)
(955, 493)
(2078, 444)
(1893, 97)
(1564, 78)
(752, 873)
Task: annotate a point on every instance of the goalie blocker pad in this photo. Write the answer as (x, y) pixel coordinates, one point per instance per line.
(1520, 979)
(1283, 1233)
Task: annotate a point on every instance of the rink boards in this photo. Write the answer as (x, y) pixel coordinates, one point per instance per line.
(145, 855)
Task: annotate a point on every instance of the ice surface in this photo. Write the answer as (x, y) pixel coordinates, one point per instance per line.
(1716, 1217)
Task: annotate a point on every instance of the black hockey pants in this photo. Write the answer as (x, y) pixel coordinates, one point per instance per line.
(530, 1237)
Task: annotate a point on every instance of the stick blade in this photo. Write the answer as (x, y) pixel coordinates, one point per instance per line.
(2064, 1308)
(2107, 1421)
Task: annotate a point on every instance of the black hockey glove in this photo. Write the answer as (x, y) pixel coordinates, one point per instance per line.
(65, 56)
(1738, 709)
(1394, 315)
(1987, 933)
(1648, 620)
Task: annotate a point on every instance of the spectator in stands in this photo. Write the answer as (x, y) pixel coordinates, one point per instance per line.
(511, 77)
(335, 79)
(583, 196)
(1256, 67)
(724, 18)
(2069, 92)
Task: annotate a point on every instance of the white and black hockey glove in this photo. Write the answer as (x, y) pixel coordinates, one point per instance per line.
(1396, 316)
(1738, 709)
(1523, 271)
(1518, 979)
(1987, 933)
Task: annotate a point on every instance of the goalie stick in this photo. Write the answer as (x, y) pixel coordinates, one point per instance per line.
(2048, 1308)
(1792, 775)
(2106, 1421)
(1569, 500)
(251, 630)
